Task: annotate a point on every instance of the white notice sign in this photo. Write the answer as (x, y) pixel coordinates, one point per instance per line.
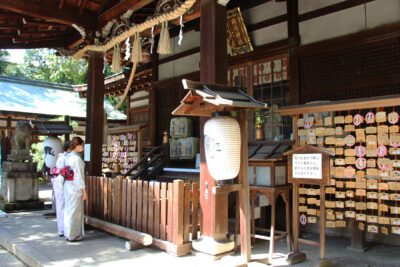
(307, 166)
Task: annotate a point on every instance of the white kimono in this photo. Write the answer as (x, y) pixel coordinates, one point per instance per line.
(58, 189)
(73, 211)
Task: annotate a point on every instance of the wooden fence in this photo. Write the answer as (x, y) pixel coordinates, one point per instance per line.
(166, 211)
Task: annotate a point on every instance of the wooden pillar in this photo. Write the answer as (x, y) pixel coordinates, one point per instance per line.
(213, 69)
(294, 41)
(95, 112)
(66, 120)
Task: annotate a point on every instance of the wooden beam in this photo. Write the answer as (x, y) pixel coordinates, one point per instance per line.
(121, 8)
(43, 23)
(9, 26)
(41, 32)
(293, 22)
(95, 111)
(82, 7)
(180, 55)
(267, 23)
(331, 9)
(139, 237)
(49, 13)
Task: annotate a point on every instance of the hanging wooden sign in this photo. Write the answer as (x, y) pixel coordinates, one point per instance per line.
(339, 204)
(383, 186)
(350, 204)
(361, 183)
(349, 128)
(339, 151)
(349, 193)
(360, 135)
(330, 190)
(394, 129)
(300, 123)
(348, 161)
(302, 208)
(340, 224)
(394, 140)
(320, 141)
(331, 224)
(395, 221)
(320, 131)
(372, 184)
(348, 119)
(360, 151)
(340, 194)
(383, 129)
(328, 121)
(370, 130)
(371, 142)
(339, 215)
(395, 197)
(373, 229)
(330, 140)
(393, 117)
(302, 200)
(340, 184)
(349, 214)
(319, 122)
(384, 196)
(308, 122)
(301, 132)
(396, 230)
(372, 219)
(358, 119)
(361, 226)
(332, 182)
(339, 162)
(349, 152)
(361, 192)
(338, 131)
(384, 164)
(370, 118)
(383, 208)
(381, 116)
(311, 219)
(372, 195)
(372, 172)
(340, 141)
(361, 217)
(311, 201)
(303, 191)
(371, 163)
(394, 210)
(329, 131)
(371, 153)
(383, 220)
(350, 184)
(330, 204)
(312, 192)
(384, 230)
(360, 174)
(383, 139)
(350, 140)
(311, 133)
(361, 206)
(339, 120)
(372, 205)
(311, 211)
(394, 151)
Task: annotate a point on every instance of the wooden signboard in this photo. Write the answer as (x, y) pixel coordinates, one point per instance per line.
(309, 165)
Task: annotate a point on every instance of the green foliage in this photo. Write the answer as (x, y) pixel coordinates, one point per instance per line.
(45, 65)
(3, 61)
(115, 100)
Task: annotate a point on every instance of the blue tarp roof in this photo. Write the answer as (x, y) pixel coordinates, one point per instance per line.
(38, 97)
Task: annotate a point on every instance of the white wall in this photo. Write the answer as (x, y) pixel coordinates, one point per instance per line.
(348, 21)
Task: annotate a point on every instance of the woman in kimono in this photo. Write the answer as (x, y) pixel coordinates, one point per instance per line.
(58, 189)
(74, 192)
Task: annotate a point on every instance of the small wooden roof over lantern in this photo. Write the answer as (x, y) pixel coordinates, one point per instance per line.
(204, 99)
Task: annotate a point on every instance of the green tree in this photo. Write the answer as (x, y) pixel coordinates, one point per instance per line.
(3, 61)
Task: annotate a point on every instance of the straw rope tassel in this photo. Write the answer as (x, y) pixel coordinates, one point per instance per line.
(136, 49)
(116, 60)
(164, 46)
(128, 86)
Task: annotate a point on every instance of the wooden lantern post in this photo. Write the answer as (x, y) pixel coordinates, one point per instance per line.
(308, 165)
(202, 100)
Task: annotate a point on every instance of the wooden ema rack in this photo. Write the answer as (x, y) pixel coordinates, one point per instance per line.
(308, 165)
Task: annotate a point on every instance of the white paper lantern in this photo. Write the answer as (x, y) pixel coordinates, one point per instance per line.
(222, 147)
(52, 146)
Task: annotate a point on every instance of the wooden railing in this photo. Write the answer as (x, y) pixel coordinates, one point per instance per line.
(166, 211)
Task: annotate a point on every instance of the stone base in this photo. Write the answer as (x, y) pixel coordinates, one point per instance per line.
(21, 205)
(17, 158)
(295, 257)
(209, 245)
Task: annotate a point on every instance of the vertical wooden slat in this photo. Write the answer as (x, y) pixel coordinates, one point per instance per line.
(156, 233)
(87, 200)
(101, 199)
(134, 204)
(195, 209)
(105, 199)
(109, 199)
(97, 191)
(119, 198)
(186, 213)
(123, 199)
(91, 207)
(145, 211)
(170, 225)
(163, 215)
(177, 212)
(128, 203)
(116, 200)
(139, 206)
(150, 229)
